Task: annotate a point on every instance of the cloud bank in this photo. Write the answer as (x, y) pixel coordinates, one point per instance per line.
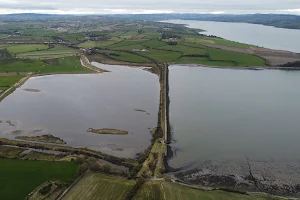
(147, 6)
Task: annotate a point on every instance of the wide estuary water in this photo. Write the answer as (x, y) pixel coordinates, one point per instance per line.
(255, 34)
(67, 105)
(226, 121)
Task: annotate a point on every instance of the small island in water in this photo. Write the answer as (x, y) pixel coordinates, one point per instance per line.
(107, 131)
(43, 138)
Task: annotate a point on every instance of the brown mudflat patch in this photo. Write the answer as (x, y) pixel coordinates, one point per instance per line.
(17, 132)
(139, 110)
(43, 138)
(274, 177)
(31, 90)
(108, 131)
(276, 57)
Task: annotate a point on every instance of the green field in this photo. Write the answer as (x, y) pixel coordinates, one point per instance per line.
(175, 192)
(240, 59)
(130, 47)
(97, 186)
(204, 61)
(91, 44)
(151, 190)
(124, 56)
(54, 52)
(162, 55)
(74, 38)
(186, 50)
(57, 65)
(154, 43)
(20, 177)
(18, 65)
(14, 49)
(64, 65)
(8, 81)
(125, 43)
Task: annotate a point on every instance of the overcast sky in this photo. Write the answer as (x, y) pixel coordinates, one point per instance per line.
(149, 6)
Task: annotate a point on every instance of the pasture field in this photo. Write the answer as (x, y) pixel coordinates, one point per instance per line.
(148, 34)
(54, 52)
(18, 65)
(154, 43)
(29, 38)
(124, 56)
(125, 43)
(186, 50)
(69, 64)
(74, 38)
(204, 61)
(7, 81)
(162, 55)
(14, 49)
(151, 190)
(98, 186)
(64, 65)
(130, 47)
(91, 44)
(175, 191)
(20, 177)
(240, 59)
(129, 34)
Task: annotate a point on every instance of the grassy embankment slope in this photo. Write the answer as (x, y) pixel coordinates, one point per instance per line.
(20, 177)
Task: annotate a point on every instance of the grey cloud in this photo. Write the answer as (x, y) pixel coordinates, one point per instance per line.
(230, 6)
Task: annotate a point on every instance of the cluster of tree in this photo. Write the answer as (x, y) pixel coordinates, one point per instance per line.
(168, 35)
(87, 163)
(46, 189)
(172, 42)
(140, 31)
(4, 54)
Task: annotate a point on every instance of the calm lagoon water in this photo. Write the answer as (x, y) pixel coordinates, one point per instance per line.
(67, 105)
(260, 35)
(226, 114)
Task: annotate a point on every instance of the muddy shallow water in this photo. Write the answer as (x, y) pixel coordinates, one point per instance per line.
(67, 105)
(237, 128)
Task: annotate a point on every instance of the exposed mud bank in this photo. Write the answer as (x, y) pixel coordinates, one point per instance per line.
(273, 177)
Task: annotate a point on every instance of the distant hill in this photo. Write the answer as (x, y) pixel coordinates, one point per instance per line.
(29, 17)
(277, 20)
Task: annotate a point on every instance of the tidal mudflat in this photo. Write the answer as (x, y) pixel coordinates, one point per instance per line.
(236, 128)
(66, 106)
